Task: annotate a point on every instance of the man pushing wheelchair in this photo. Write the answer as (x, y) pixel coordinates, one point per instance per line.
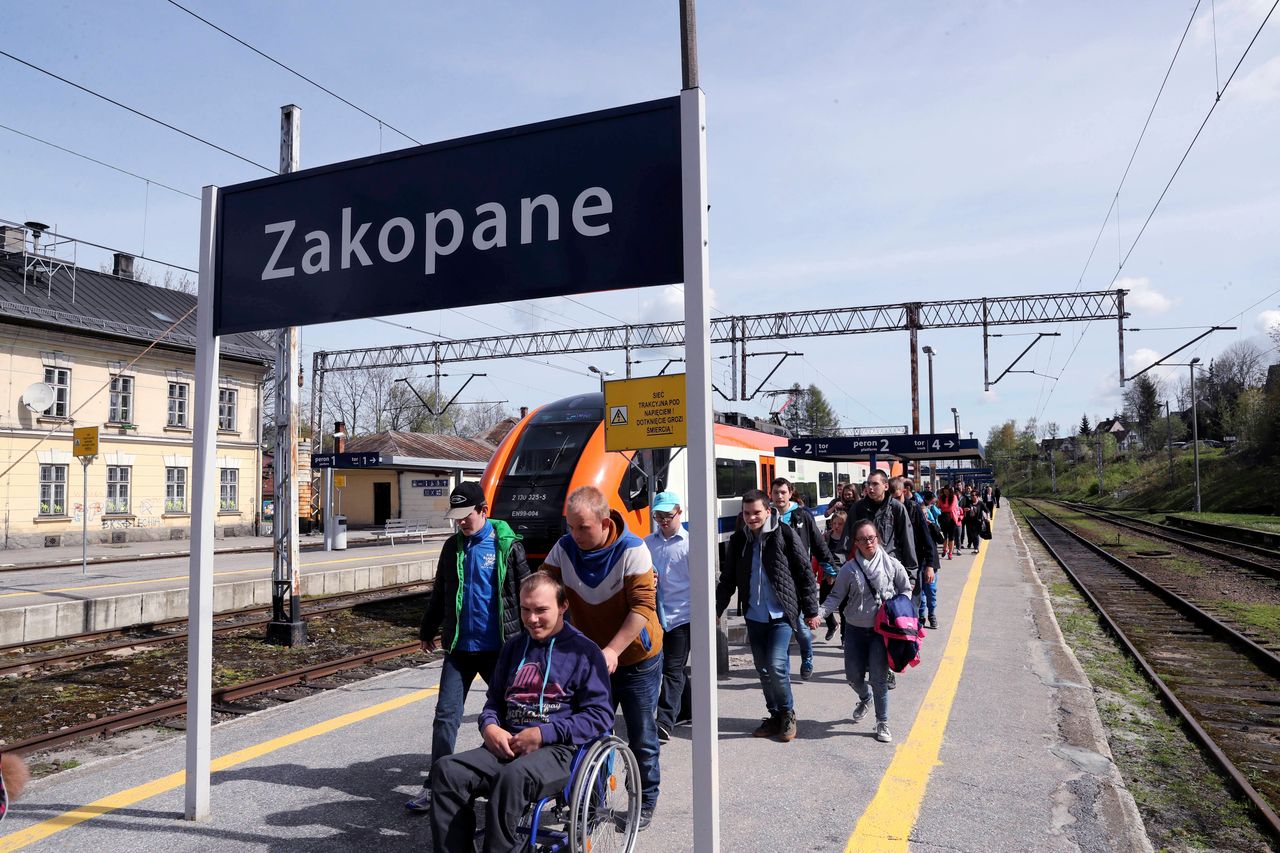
(549, 695)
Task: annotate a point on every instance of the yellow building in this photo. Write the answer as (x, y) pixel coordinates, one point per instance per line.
(81, 348)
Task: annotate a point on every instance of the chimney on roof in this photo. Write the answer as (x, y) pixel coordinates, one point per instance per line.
(524, 412)
(12, 238)
(122, 265)
(339, 437)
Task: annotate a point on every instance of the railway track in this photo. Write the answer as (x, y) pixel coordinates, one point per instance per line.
(1265, 561)
(227, 622)
(1224, 686)
(1256, 559)
(223, 699)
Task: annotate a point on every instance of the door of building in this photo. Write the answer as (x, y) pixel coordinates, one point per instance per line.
(381, 503)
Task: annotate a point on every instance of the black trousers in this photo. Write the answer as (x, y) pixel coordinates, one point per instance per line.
(675, 655)
(510, 784)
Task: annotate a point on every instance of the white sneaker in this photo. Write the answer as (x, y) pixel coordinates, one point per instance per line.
(882, 733)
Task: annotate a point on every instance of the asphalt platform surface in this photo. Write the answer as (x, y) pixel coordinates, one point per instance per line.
(982, 758)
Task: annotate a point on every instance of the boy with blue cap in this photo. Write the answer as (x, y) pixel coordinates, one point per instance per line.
(669, 546)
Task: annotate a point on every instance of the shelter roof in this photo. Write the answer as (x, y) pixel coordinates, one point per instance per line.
(419, 445)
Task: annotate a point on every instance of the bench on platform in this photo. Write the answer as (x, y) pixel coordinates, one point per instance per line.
(402, 527)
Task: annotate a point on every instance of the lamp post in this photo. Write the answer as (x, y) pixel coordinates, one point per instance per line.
(933, 464)
(601, 373)
(955, 415)
(1195, 428)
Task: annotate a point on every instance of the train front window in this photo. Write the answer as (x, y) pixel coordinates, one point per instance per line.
(550, 450)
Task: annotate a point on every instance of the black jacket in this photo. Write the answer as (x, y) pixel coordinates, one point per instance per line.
(806, 530)
(926, 548)
(441, 615)
(893, 526)
(785, 563)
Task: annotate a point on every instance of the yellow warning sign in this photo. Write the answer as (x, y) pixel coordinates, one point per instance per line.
(644, 413)
(339, 481)
(85, 441)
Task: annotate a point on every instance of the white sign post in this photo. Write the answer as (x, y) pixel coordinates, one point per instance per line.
(204, 498)
(702, 497)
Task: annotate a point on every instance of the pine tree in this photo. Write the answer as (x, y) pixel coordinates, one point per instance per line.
(1085, 429)
(819, 417)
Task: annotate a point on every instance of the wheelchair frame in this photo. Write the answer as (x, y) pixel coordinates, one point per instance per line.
(592, 778)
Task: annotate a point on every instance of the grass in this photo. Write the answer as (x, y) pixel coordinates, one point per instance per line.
(1268, 523)
(1264, 617)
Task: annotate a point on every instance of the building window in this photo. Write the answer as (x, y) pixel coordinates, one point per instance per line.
(175, 489)
(227, 409)
(121, 410)
(58, 378)
(178, 392)
(53, 489)
(118, 488)
(228, 490)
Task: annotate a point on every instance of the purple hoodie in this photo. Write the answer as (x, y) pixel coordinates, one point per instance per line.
(561, 686)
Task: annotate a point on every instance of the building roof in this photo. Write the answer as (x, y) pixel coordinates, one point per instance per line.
(56, 294)
(498, 431)
(421, 445)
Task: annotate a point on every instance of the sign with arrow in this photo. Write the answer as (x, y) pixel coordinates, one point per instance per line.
(822, 447)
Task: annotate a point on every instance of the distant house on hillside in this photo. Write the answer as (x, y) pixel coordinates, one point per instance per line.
(1065, 446)
(1126, 435)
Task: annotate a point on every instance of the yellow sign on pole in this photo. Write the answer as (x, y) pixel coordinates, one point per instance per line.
(645, 413)
(339, 481)
(86, 441)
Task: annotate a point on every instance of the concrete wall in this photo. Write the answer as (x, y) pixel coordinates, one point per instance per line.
(60, 619)
(148, 445)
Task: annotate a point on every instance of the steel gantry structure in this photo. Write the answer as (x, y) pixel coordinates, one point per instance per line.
(737, 332)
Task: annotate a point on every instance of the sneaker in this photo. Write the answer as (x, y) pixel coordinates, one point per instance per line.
(882, 733)
(933, 622)
(770, 726)
(664, 736)
(788, 728)
(831, 632)
(420, 803)
(646, 817)
(806, 670)
(861, 710)
(893, 680)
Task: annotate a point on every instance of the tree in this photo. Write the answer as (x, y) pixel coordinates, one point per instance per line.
(807, 412)
(1085, 428)
(1142, 404)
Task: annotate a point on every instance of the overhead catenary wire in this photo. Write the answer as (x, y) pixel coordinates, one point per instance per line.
(1160, 199)
(381, 121)
(137, 112)
(99, 162)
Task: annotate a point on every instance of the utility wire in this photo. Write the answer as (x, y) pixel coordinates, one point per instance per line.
(99, 162)
(381, 122)
(137, 112)
(110, 248)
(1217, 99)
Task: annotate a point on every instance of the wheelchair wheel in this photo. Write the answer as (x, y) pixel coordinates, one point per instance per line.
(604, 804)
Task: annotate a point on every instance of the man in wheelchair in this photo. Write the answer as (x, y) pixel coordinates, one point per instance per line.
(549, 695)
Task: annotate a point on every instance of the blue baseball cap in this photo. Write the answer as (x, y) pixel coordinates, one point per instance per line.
(665, 501)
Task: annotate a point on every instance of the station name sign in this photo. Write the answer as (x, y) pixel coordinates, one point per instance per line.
(575, 205)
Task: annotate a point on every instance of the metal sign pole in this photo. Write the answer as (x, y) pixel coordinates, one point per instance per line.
(84, 517)
(702, 497)
(203, 501)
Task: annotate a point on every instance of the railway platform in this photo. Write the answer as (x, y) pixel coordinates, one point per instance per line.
(997, 747)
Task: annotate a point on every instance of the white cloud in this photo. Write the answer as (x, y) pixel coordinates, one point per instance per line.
(665, 305)
(1143, 358)
(1269, 322)
(1261, 84)
(1143, 297)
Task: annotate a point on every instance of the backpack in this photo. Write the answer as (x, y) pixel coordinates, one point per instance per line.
(896, 622)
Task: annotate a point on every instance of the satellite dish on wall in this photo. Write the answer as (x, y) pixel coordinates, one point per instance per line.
(38, 397)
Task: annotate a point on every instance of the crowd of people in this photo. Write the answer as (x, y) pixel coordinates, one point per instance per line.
(603, 626)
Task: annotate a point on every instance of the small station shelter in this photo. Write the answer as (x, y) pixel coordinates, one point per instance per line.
(404, 475)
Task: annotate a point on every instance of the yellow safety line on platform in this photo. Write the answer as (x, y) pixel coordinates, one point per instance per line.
(887, 823)
(140, 581)
(132, 796)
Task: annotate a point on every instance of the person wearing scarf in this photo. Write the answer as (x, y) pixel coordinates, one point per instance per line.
(871, 577)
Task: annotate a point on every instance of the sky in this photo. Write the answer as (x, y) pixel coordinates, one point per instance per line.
(858, 153)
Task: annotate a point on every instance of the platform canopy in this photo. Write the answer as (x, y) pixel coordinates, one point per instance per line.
(870, 448)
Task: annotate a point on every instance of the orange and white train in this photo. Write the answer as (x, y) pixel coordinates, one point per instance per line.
(560, 446)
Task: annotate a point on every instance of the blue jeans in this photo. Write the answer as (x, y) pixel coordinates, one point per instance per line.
(456, 675)
(928, 595)
(635, 688)
(770, 644)
(805, 638)
(864, 652)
